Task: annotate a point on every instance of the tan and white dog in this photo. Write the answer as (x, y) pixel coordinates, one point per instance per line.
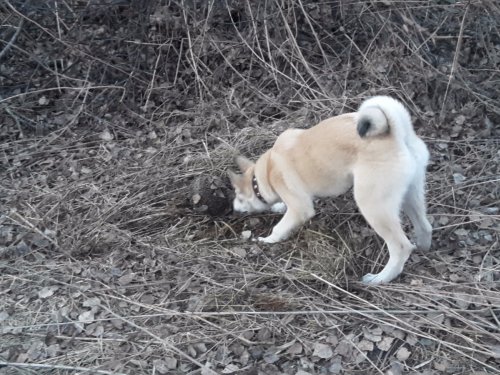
(375, 150)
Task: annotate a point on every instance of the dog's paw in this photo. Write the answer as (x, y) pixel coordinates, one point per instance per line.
(424, 242)
(278, 208)
(268, 239)
(372, 279)
(423, 236)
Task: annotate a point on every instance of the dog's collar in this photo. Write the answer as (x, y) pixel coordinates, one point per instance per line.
(256, 190)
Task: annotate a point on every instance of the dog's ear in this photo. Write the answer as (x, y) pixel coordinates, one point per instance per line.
(234, 178)
(243, 163)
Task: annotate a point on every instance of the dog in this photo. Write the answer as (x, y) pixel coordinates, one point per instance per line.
(374, 150)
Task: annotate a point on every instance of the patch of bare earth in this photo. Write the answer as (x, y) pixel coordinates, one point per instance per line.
(119, 252)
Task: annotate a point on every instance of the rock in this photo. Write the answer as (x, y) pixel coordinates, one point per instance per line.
(246, 234)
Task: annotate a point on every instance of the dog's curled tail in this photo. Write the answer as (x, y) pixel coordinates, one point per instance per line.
(384, 116)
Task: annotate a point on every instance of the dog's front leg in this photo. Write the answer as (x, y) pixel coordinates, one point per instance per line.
(284, 228)
(293, 218)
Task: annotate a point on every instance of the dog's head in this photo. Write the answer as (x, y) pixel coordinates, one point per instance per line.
(245, 199)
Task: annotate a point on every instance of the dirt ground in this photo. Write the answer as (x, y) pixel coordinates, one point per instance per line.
(119, 251)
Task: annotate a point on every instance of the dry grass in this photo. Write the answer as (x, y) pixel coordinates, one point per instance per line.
(118, 253)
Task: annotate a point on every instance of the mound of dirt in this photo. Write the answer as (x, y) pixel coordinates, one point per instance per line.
(211, 194)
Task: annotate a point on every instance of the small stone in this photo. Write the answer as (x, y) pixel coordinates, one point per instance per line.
(458, 178)
(106, 136)
(196, 198)
(246, 234)
(403, 354)
(443, 220)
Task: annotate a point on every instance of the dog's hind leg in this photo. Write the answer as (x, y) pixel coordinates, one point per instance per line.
(414, 208)
(381, 210)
